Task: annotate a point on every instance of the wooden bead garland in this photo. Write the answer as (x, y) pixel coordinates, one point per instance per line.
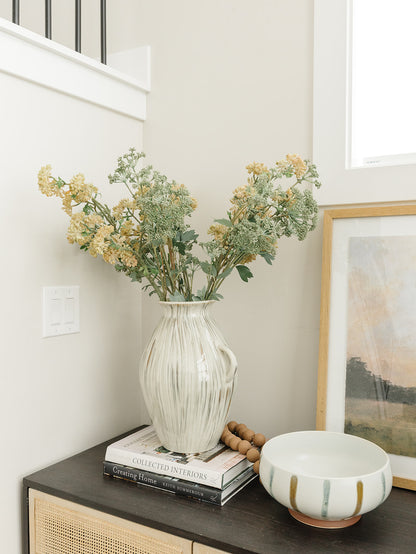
(244, 440)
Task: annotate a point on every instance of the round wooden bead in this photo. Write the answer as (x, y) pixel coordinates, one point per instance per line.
(256, 467)
(248, 435)
(232, 425)
(259, 439)
(244, 447)
(225, 433)
(240, 428)
(253, 455)
(234, 442)
(228, 439)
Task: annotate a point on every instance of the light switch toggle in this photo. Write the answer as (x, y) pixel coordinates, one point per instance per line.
(60, 311)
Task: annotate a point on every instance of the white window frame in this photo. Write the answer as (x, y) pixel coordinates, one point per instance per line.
(331, 105)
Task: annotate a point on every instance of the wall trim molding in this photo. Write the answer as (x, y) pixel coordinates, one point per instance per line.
(36, 59)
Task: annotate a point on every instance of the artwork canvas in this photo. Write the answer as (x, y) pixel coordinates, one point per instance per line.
(367, 341)
(380, 389)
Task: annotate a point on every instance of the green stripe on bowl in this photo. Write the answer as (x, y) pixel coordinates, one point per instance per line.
(383, 484)
(327, 489)
(271, 480)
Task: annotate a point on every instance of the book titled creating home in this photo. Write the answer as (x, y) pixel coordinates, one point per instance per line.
(180, 487)
(143, 450)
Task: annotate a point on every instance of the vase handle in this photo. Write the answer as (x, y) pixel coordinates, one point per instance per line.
(232, 361)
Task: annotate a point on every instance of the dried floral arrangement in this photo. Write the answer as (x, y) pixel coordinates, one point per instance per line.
(147, 237)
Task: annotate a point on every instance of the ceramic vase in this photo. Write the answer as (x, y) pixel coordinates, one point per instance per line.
(187, 375)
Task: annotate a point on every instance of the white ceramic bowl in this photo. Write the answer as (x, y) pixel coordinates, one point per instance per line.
(326, 479)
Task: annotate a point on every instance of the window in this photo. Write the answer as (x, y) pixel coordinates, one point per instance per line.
(383, 82)
(364, 101)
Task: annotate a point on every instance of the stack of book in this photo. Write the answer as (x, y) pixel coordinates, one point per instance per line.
(213, 476)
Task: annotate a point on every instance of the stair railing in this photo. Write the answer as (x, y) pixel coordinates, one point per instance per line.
(48, 23)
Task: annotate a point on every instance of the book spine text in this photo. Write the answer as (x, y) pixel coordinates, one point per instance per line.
(164, 467)
(200, 492)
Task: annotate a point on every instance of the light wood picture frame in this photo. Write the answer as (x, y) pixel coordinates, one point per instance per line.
(367, 347)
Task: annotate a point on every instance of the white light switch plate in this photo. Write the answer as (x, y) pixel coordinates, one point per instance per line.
(60, 311)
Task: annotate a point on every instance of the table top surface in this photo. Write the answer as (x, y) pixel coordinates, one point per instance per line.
(249, 522)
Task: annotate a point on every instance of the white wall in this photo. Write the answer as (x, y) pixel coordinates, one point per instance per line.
(232, 83)
(63, 394)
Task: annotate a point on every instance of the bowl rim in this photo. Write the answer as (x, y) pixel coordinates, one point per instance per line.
(382, 468)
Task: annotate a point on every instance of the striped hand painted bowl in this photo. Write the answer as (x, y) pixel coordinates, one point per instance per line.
(326, 479)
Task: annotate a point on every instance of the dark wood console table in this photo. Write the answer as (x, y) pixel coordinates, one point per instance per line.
(251, 522)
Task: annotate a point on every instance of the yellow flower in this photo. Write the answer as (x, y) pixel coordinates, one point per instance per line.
(256, 168)
(97, 245)
(47, 184)
(67, 203)
(75, 229)
(93, 219)
(277, 196)
(118, 250)
(249, 258)
(110, 255)
(80, 190)
(237, 212)
(178, 199)
(128, 258)
(240, 193)
(125, 203)
(79, 225)
(126, 229)
(141, 191)
(282, 165)
(218, 231)
(290, 198)
(299, 166)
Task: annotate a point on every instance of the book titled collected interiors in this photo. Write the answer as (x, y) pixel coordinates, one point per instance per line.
(179, 486)
(142, 450)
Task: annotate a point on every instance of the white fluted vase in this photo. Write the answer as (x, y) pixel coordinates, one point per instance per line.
(187, 375)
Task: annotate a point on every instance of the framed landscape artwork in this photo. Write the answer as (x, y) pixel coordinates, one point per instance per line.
(367, 351)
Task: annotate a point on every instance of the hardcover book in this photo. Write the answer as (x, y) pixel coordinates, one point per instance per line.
(142, 450)
(179, 486)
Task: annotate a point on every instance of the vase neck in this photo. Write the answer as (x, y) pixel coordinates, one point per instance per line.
(185, 309)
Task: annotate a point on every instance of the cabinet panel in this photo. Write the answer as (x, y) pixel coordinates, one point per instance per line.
(57, 526)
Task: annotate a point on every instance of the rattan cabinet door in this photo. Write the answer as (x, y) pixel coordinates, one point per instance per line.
(57, 526)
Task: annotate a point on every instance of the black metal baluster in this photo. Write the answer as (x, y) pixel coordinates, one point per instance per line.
(48, 19)
(78, 25)
(103, 32)
(16, 12)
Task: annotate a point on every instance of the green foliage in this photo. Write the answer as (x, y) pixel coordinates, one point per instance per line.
(244, 272)
(147, 237)
(225, 222)
(360, 382)
(267, 257)
(177, 297)
(208, 268)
